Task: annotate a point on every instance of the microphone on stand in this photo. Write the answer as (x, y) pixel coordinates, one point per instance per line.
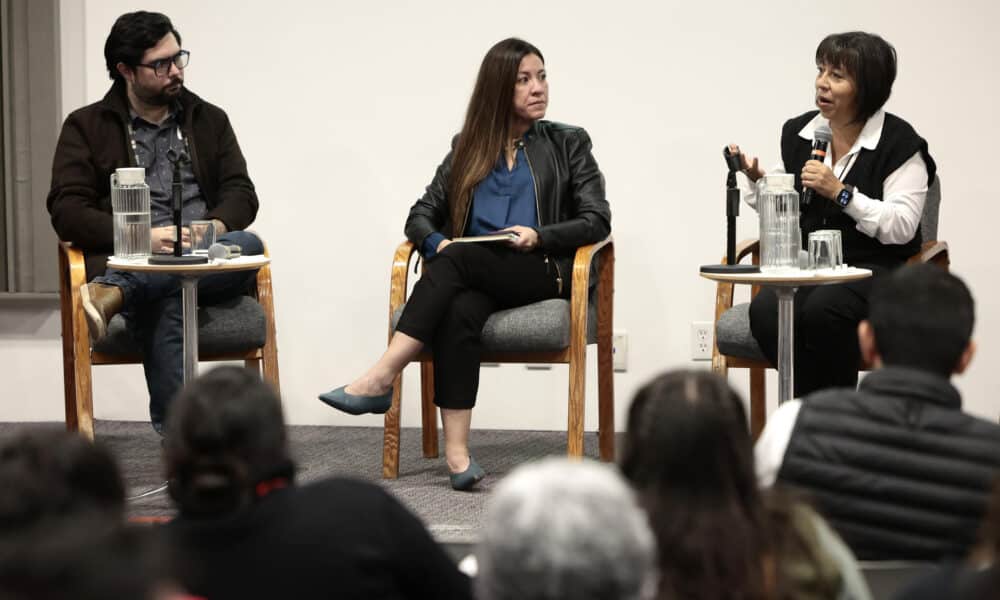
(732, 211)
(177, 206)
(821, 141)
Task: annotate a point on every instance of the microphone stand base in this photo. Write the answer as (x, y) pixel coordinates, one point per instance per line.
(730, 269)
(170, 259)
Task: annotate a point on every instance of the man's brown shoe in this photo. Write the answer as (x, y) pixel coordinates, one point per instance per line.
(100, 303)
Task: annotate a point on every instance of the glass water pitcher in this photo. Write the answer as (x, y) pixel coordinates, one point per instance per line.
(780, 233)
(130, 206)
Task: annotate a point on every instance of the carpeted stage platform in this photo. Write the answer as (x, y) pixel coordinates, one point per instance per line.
(453, 517)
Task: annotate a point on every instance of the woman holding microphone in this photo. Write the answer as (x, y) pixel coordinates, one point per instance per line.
(871, 186)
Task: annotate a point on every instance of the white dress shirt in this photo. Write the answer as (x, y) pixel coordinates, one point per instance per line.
(769, 451)
(893, 219)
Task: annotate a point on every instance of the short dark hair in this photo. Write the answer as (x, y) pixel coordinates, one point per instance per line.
(131, 35)
(922, 317)
(870, 61)
(48, 473)
(225, 434)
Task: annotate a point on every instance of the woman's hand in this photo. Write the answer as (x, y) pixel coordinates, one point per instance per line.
(820, 177)
(527, 238)
(750, 168)
(163, 238)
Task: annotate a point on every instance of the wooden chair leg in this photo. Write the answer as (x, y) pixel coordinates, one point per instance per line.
(758, 402)
(390, 439)
(574, 429)
(428, 411)
(270, 352)
(605, 400)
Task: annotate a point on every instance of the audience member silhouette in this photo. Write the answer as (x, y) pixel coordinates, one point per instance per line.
(246, 530)
(689, 455)
(562, 529)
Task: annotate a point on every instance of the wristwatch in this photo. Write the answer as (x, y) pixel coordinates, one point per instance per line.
(845, 196)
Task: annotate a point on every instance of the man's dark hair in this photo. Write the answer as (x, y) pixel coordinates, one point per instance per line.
(133, 34)
(922, 317)
(225, 434)
(869, 60)
(48, 473)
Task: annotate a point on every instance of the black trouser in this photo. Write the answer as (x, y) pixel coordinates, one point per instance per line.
(826, 331)
(458, 291)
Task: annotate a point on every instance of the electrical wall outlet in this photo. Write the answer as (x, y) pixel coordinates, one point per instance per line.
(619, 351)
(701, 340)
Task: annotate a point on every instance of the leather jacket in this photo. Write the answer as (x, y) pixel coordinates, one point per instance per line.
(569, 191)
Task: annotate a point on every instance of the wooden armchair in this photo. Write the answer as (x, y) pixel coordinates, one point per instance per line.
(239, 329)
(570, 325)
(735, 347)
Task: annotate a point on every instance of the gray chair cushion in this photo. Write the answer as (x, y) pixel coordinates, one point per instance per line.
(539, 327)
(235, 325)
(732, 334)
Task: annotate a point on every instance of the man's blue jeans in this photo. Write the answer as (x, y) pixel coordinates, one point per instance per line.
(152, 307)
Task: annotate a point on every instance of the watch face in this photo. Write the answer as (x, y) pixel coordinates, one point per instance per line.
(844, 198)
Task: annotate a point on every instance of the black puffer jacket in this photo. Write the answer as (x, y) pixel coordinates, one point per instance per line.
(896, 467)
(572, 207)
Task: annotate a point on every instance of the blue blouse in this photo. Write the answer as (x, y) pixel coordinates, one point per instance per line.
(505, 197)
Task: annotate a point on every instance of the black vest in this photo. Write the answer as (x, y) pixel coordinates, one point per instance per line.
(896, 145)
(897, 468)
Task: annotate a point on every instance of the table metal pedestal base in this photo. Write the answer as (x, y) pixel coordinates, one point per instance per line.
(786, 341)
(189, 300)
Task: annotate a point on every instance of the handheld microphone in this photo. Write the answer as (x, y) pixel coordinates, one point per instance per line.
(224, 251)
(821, 141)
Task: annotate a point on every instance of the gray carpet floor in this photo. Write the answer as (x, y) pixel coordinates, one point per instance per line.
(319, 452)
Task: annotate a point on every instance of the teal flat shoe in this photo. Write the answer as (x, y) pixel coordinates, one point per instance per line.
(468, 478)
(357, 405)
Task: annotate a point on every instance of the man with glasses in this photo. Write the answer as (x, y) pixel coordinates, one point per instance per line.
(150, 119)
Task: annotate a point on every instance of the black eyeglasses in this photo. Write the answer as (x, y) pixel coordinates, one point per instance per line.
(162, 66)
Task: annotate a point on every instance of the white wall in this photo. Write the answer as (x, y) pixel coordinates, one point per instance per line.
(344, 109)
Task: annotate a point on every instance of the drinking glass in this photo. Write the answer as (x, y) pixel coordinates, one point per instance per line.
(202, 236)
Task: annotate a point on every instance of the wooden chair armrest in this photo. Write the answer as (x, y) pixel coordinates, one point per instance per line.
(935, 252)
(265, 294)
(724, 290)
(580, 291)
(398, 277)
(76, 264)
(745, 247)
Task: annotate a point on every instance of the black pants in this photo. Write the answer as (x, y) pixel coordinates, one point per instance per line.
(826, 331)
(456, 294)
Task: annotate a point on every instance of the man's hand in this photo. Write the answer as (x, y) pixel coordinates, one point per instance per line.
(443, 244)
(220, 227)
(527, 238)
(162, 239)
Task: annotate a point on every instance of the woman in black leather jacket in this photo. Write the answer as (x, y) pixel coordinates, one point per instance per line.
(511, 172)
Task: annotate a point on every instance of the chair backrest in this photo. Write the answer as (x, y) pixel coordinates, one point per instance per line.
(932, 208)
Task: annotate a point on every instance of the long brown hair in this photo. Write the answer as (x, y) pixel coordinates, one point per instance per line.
(487, 124)
(689, 455)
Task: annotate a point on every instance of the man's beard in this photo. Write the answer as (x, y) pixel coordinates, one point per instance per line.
(163, 96)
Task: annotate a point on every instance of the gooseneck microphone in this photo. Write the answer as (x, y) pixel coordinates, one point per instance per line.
(821, 141)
